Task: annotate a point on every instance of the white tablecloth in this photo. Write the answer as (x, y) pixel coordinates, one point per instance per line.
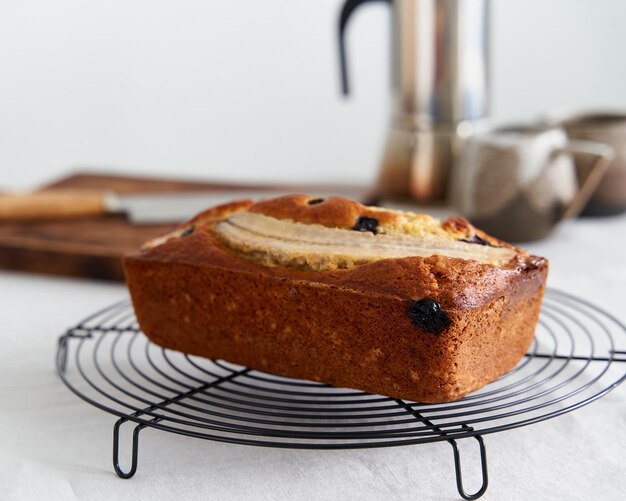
(55, 446)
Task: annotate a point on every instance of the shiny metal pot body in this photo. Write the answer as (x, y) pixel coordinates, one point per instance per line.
(440, 74)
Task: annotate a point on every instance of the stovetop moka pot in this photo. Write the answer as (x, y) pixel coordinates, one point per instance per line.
(440, 90)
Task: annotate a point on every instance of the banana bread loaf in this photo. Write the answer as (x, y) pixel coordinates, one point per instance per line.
(330, 290)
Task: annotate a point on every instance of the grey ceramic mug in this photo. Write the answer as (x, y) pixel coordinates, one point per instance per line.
(608, 127)
(518, 182)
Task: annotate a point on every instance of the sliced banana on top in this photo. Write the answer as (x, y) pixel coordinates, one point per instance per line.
(281, 242)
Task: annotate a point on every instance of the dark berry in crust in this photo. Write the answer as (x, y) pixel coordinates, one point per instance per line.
(428, 315)
(315, 201)
(476, 240)
(188, 231)
(366, 224)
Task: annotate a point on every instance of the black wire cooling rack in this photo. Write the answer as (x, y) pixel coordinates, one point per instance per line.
(108, 362)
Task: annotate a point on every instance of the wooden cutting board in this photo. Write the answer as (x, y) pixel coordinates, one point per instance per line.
(92, 247)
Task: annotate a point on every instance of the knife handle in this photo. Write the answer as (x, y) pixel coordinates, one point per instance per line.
(52, 204)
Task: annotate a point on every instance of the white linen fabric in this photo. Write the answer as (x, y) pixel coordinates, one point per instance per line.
(55, 446)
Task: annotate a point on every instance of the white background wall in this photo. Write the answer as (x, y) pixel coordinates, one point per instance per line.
(249, 89)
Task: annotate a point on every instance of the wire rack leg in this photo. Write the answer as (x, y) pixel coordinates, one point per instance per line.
(457, 455)
(116, 449)
(62, 354)
(459, 474)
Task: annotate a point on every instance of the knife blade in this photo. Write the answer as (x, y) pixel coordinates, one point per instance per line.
(145, 208)
(177, 207)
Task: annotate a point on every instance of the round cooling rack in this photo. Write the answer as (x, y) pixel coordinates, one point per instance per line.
(575, 359)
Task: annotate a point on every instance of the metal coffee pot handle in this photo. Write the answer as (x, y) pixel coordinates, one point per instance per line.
(346, 12)
(604, 155)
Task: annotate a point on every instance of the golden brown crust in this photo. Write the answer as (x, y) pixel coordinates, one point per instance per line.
(219, 212)
(337, 212)
(344, 327)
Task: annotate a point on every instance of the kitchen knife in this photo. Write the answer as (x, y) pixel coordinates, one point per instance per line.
(145, 208)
